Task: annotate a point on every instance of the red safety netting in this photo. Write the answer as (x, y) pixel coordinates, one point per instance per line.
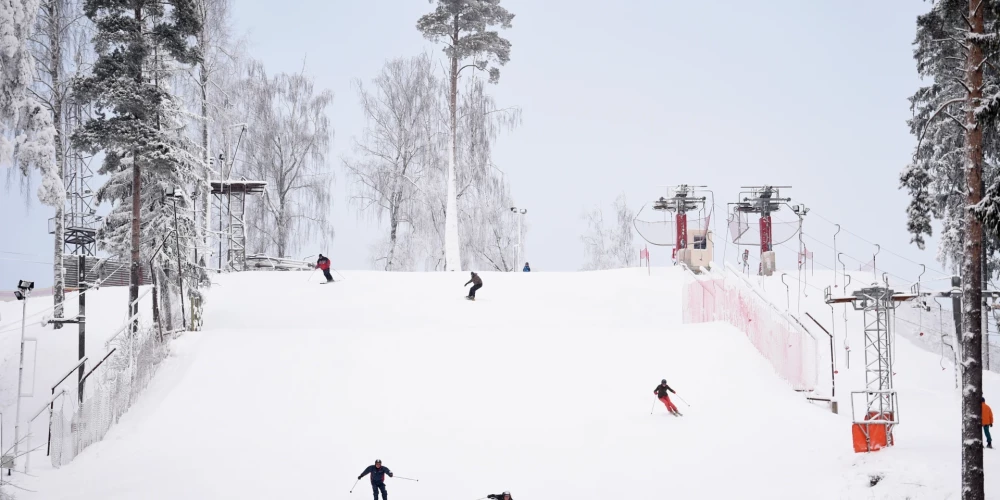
(791, 350)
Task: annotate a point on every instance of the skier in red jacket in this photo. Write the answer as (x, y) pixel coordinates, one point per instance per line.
(324, 264)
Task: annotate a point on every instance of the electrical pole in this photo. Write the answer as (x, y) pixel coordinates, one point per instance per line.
(23, 292)
(519, 213)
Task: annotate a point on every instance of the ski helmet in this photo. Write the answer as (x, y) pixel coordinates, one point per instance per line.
(506, 493)
(664, 381)
(378, 461)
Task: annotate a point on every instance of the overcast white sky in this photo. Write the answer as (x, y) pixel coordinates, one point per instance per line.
(625, 97)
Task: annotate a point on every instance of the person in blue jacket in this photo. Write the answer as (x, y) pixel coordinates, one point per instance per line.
(378, 474)
(527, 268)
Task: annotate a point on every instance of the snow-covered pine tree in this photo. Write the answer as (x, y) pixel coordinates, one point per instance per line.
(135, 124)
(466, 30)
(287, 141)
(955, 120)
(396, 150)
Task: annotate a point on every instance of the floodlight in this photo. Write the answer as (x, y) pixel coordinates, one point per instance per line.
(25, 285)
(19, 295)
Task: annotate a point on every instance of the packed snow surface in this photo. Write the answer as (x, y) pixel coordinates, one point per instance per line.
(542, 387)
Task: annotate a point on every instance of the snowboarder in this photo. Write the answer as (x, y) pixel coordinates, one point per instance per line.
(477, 283)
(502, 496)
(987, 423)
(324, 264)
(378, 474)
(661, 394)
(527, 268)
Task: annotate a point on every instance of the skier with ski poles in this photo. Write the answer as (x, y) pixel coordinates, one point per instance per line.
(502, 496)
(661, 392)
(477, 283)
(324, 264)
(377, 477)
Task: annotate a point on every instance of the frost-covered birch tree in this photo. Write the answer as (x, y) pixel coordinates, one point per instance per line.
(484, 193)
(136, 123)
(609, 246)
(218, 57)
(389, 167)
(289, 137)
(60, 54)
(466, 29)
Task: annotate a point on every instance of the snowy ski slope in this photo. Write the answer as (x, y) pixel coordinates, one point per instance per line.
(542, 387)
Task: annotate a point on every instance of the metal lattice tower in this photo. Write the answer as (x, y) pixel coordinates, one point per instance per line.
(231, 199)
(80, 230)
(878, 305)
(881, 404)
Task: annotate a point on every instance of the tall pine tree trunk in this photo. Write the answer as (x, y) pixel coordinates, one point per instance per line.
(453, 252)
(972, 340)
(55, 58)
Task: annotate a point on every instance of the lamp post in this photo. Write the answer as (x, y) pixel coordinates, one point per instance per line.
(171, 192)
(517, 249)
(24, 289)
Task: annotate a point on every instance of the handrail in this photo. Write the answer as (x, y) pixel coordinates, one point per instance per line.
(70, 372)
(48, 441)
(106, 356)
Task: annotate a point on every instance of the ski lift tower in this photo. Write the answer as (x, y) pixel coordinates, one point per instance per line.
(675, 207)
(231, 198)
(761, 200)
(873, 430)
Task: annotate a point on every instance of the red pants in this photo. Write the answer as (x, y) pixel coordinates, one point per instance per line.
(671, 407)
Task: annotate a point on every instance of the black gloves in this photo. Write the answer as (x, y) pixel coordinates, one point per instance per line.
(359, 477)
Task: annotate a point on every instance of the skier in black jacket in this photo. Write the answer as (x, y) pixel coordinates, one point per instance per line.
(661, 393)
(378, 474)
(502, 496)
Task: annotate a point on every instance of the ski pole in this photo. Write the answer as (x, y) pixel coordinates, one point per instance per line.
(651, 408)
(406, 478)
(355, 484)
(311, 274)
(338, 273)
(682, 399)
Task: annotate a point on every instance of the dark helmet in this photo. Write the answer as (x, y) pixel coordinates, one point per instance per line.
(664, 381)
(321, 256)
(378, 462)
